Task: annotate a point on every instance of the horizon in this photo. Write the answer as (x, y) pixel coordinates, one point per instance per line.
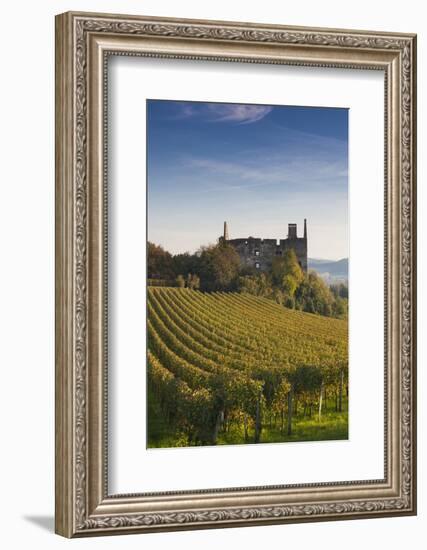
(260, 166)
(309, 258)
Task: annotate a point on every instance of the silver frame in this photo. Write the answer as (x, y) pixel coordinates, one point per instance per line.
(83, 43)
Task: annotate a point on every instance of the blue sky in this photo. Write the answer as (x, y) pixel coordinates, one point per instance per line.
(258, 167)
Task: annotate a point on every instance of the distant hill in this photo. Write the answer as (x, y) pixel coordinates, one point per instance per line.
(331, 271)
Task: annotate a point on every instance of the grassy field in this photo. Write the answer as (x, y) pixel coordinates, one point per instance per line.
(229, 369)
(333, 426)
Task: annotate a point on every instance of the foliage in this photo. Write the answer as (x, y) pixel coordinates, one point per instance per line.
(180, 281)
(340, 306)
(230, 359)
(313, 295)
(258, 285)
(186, 263)
(160, 263)
(340, 290)
(286, 272)
(193, 281)
(218, 268)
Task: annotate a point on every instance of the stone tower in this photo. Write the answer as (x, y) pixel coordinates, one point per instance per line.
(225, 231)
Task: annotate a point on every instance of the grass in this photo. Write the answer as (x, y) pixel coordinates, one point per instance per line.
(332, 426)
(160, 433)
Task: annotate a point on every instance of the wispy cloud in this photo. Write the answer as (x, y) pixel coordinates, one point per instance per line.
(255, 174)
(224, 112)
(259, 167)
(225, 168)
(243, 114)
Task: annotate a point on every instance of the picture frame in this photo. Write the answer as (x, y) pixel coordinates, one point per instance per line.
(84, 506)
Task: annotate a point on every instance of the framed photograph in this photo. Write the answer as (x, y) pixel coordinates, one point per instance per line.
(235, 274)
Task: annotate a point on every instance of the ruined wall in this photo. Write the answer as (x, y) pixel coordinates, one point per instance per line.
(259, 253)
(255, 253)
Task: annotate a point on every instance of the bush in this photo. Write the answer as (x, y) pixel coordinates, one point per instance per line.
(180, 281)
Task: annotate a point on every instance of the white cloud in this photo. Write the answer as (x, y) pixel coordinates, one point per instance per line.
(224, 112)
(259, 173)
(243, 114)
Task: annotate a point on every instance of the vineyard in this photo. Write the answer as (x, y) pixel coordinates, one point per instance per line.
(236, 368)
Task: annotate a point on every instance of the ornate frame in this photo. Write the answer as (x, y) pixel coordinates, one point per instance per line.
(83, 505)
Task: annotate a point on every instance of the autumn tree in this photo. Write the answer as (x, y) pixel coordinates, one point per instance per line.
(180, 281)
(219, 267)
(193, 281)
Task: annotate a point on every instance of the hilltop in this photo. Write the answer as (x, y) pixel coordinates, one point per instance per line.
(330, 270)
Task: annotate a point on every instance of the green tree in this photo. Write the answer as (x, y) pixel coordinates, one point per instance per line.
(219, 267)
(340, 290)
(340, 308)
(289, 285)
(278, 270)
(186, 263)
(160, 264)
(292, 266)
(248, 284)
(314, 296)
(287, 274)
(258, 285)
(286, 265)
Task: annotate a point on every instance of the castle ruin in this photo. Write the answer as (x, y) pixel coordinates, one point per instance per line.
(259, 253)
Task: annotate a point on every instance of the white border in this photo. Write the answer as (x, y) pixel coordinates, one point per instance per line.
(133, 468)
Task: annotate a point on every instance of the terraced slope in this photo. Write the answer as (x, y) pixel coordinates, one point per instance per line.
(225, 358)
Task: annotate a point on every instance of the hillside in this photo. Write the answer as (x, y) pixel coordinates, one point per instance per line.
(226, 355)
(331, 271)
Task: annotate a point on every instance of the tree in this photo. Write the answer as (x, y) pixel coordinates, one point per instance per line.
(160, 264)
(289, 285)
(340, 308)
(278, 270)
(264, 285)
(340, 290)
(258, 285)
(287, 274)
(281, 402)
(196, 282)
(180, 281)
(189, 280)
(219, 267)
(278, 296)
(292, 266)
(248, 284)
(304, 380)
(186, 263)
(193, 281)
(314, 296)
